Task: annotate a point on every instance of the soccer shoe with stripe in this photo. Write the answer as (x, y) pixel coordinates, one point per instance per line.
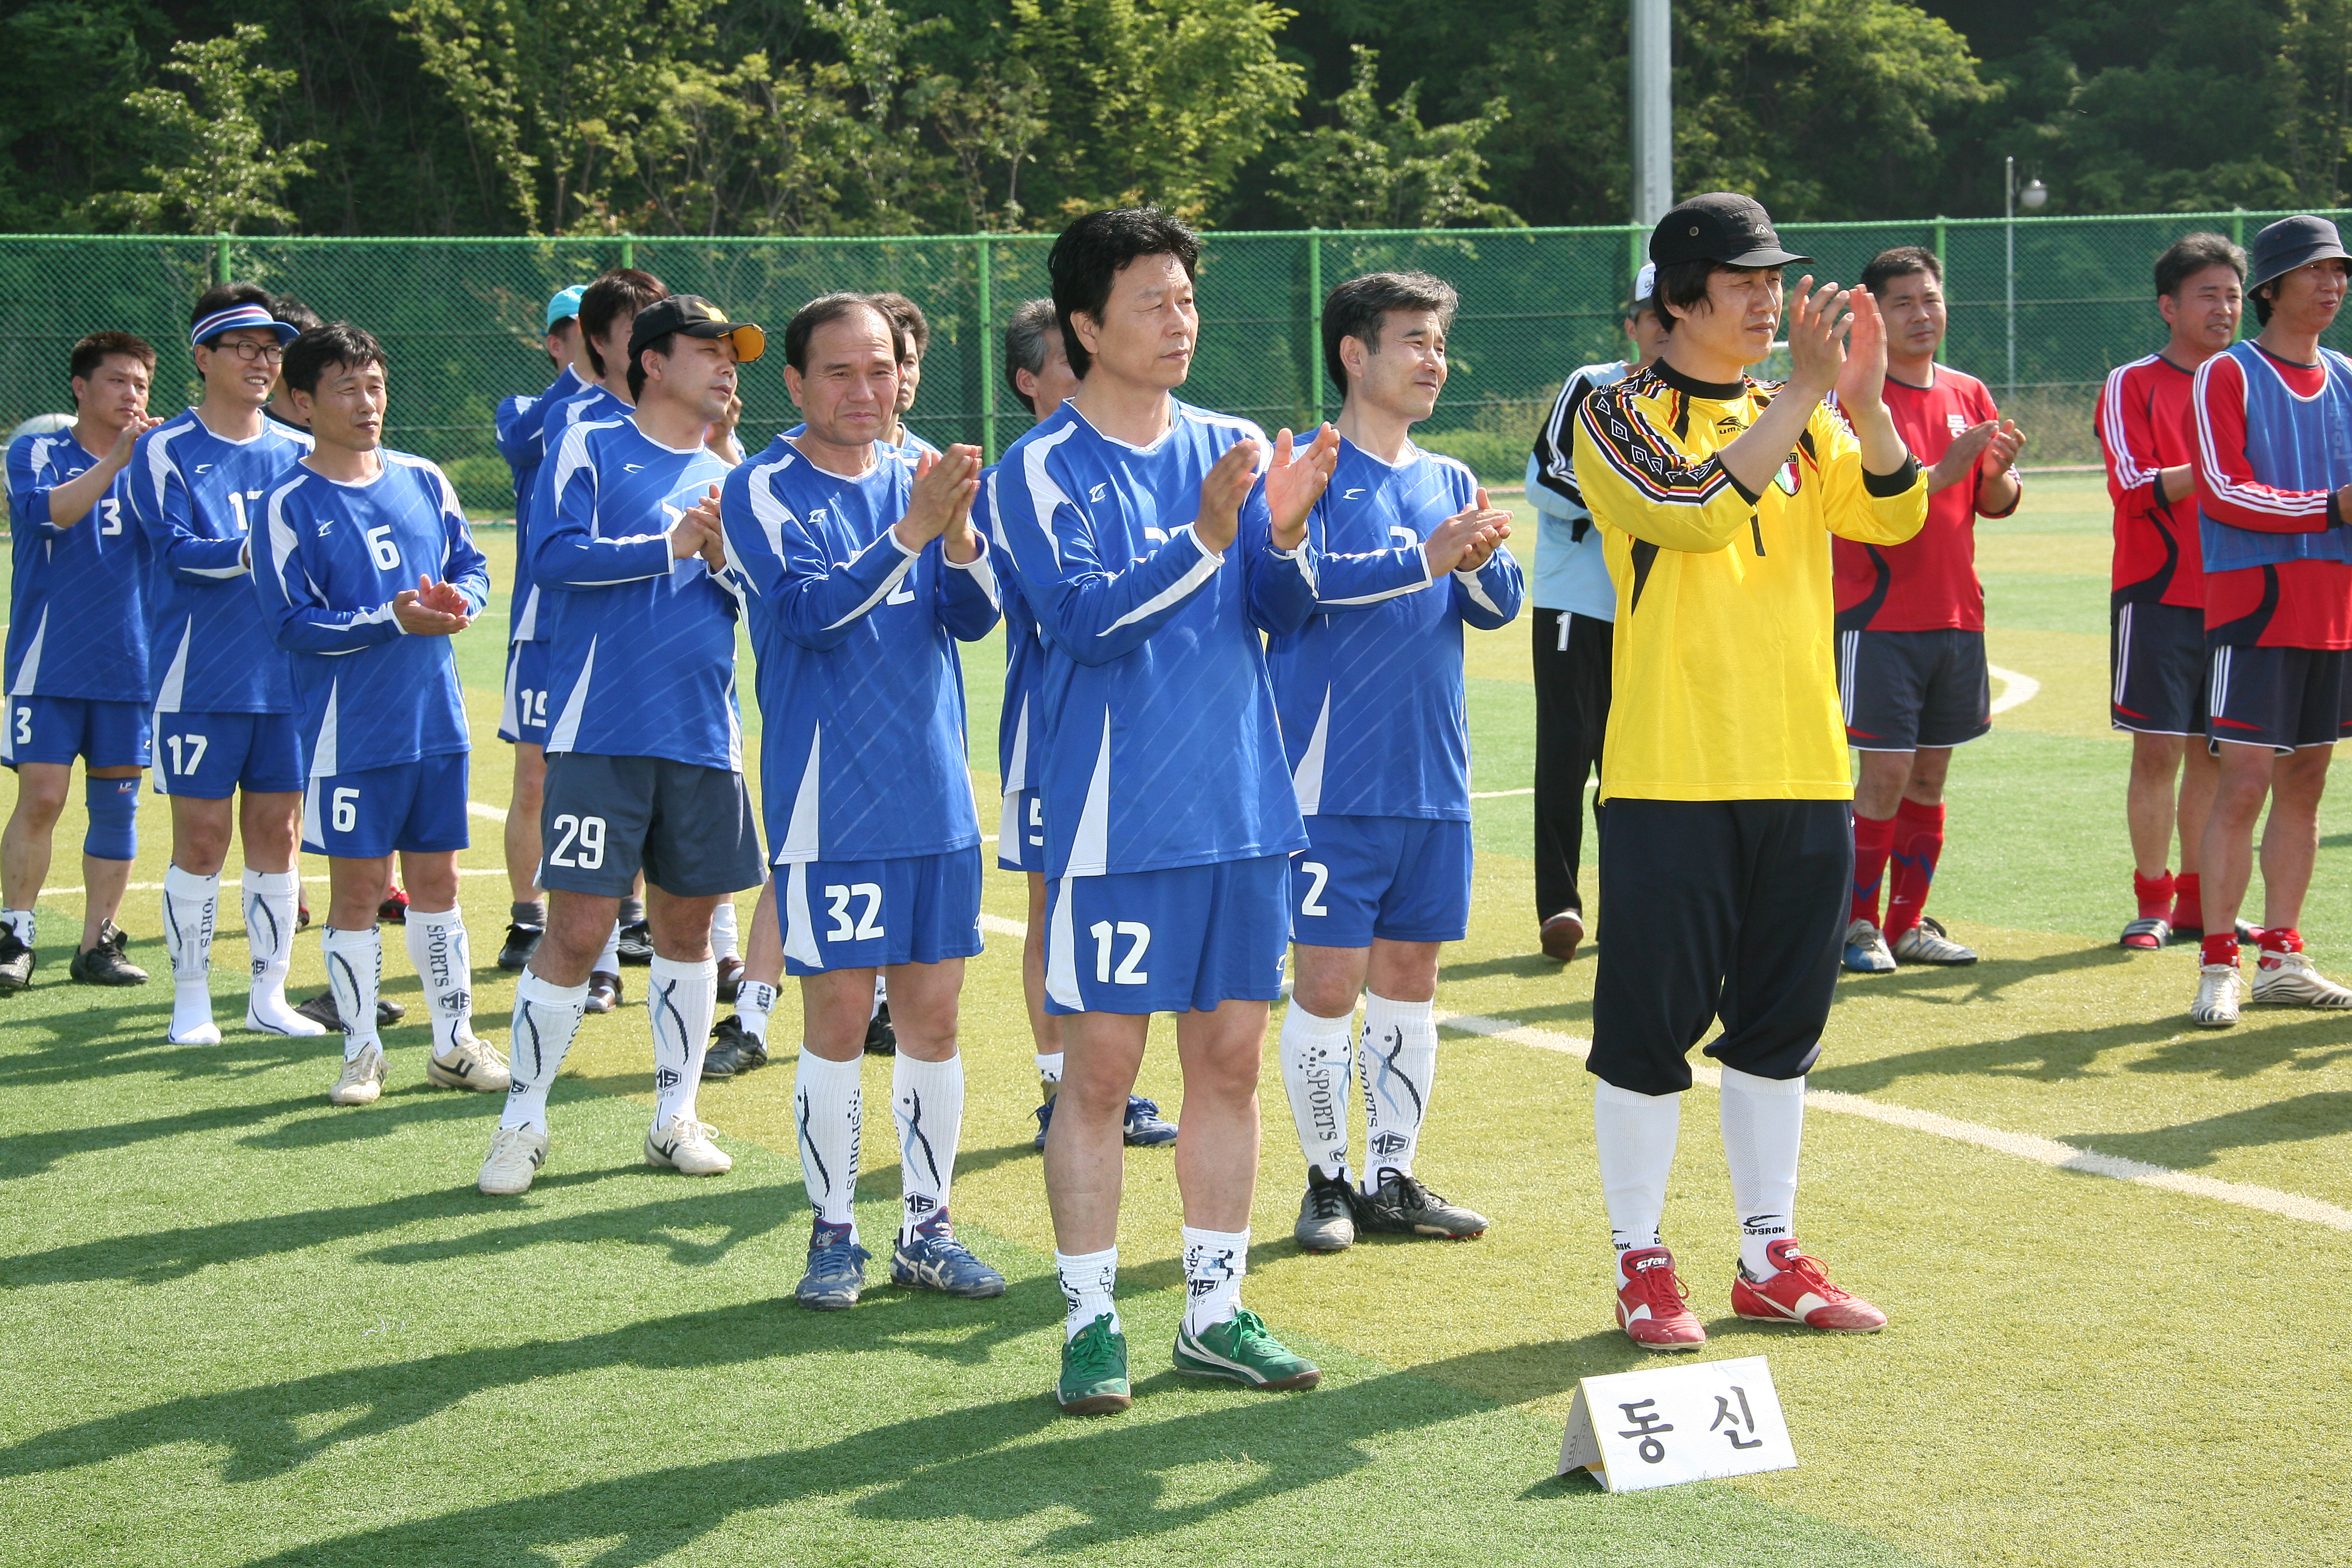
(1327, 1215)
(1653, 1308)
(1093, 1372)
(470, 1063)
(836, 1270)
(933, 1259)
(15, 961)
(1865, 950)
(322, 1010)
(636, 943)
(394, 910)
(1400, 1205)
(1144, 1127)
(104, 964)
(734, 1049)
(361, 1083)
(1560, 935)
(1044, 1114)
(516, 1154)
(1240, 1349)
(2147, 934)
(2288, 980)
(684, 1145)
(2219, 992)
(881, 1036)
(1801, 1293)
(1928, 943)
(522, 940)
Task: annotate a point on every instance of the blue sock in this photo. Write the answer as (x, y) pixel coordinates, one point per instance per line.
(113, 818)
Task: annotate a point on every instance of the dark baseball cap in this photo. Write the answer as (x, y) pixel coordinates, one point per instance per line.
(1722, 227)
(2290, 243)
(697, 318)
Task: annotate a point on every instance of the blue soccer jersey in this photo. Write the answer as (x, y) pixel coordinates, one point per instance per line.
(328, 562)
(522, 442)
(198, 500)
(863, 751)
(1370, 690)
(1018, 730)
(643, 656)
(555, 415)
(1160, 741)
(77, 612)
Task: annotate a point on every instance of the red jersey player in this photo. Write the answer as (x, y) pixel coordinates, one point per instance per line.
(2156, 654)
(1910, 621)
(2273, 499)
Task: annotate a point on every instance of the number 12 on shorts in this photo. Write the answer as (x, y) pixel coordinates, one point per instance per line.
(1130, 971)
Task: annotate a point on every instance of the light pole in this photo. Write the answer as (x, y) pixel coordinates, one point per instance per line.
(2034, 193)
(1654, 110)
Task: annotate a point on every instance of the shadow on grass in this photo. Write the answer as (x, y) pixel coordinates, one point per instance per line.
(1977, 982)
(2191, 1145)
(29, 1154)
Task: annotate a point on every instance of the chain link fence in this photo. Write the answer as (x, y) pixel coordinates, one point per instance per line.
(2041, 308)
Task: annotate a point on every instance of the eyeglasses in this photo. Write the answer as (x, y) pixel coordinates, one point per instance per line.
(247, 350)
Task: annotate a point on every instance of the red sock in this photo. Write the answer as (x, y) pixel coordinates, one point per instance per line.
(1873, 838)
(2155, 896)
(1918, 842)
(2188, 903)
(2221, 949)
(2280, 939)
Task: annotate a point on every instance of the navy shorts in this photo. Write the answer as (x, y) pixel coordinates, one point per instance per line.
(522, 715)
(211, 756)
(864, 914)
(410, 808)
(2282, 698)
(1903, 690)
(59, 729)
(1402, 878)
(1177, 940)
(603, 819)
(1021, 832)
(2157, 659)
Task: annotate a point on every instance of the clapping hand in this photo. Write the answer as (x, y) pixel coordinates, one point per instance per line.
(940, 504)
(431, 609)
(704, 516)
(1223, 490)
(2000, 451)
(1295, 482)
(1467, 540)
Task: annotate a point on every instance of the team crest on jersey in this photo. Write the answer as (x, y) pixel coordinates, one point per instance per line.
(1099, 491)
(1351, 494)
(1960, 426)
(1788, 477)
(1729, 423)
(325, 523)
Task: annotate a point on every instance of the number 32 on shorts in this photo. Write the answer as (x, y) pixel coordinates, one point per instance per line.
(1130, 970)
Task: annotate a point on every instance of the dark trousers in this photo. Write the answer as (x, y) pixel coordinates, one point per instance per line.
(1729, 908)
(1572, 655)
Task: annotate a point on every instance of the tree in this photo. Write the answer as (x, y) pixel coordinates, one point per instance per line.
(1364, 171)
(226, 174)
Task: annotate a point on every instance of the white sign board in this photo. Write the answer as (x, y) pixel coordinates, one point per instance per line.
(1657, 1426)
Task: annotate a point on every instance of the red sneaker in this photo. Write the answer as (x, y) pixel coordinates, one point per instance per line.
(394, 908)
(1801, 1293)
(1650, 1304)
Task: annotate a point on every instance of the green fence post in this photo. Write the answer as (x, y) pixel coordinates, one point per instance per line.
(1943, 256)
(628, 250)
(1314, 318)
(987, 356)
(1634, 235)
(220, 258)
(2238, 226)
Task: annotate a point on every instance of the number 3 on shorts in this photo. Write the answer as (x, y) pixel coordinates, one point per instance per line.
(24, 725)
(1130, 971)
(581, 842)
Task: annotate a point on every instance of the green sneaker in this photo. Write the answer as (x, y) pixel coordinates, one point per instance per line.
(1242, 1350)
(1093, 1372)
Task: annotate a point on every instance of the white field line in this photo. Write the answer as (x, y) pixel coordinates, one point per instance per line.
(2015, 690)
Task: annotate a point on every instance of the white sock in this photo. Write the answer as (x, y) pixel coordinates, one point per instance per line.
(609, 960)
(1087, 1280)
(928, 1099)
(754, 1001)
(1633, 1134)
(1400, 1063)
(546, 1017)
(724, 943)
(828, 1107)
(1317, 1057)
(269, 917)
(1214, 1262)
(21, 922)
(356, 973)
(1049, 1077)
(190, 904)
(680, 1000)
(1763, 1129)
(444, 960)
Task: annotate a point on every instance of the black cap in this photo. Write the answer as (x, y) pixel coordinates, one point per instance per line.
(2290, 243)
(1721, 226)
(697, 318)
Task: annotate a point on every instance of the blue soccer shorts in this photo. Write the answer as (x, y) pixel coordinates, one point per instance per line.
(1402, 878)
(410, 808)
(1021, 832)
(1178, 941)
(522, 716)
(59, 729)
(211, 756)
(864, 914)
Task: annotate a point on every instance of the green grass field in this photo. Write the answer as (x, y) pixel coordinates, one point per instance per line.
(245, 1327)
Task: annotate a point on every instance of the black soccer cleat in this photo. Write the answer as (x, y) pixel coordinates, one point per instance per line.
(881, 1039)
(522, 940)
(104, 964)
(637, 944)
(733, 1050)
(1400, 1205)
(17, 960)
(322, 1010)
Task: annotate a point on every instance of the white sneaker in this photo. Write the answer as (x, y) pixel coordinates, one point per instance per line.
(1928, 943)
(470, 1063)
(1865, 950)
(516, 1156)
(2219, 989)
(684, 1146)
(363, 1079)
(2288, 979)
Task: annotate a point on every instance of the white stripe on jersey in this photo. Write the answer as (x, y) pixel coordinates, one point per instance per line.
(1090, 849)
(1184, 587)
(30, 671)
(324, 763)
(1309, 777)
(1044, 495)
(1019, 776)
(803, 834)
(1477, 590)
(175, 679)
(576, 705)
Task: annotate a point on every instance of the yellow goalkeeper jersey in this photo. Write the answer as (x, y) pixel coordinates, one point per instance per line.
(1725, 672)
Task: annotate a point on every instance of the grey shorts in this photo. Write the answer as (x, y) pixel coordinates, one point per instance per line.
(603, 819)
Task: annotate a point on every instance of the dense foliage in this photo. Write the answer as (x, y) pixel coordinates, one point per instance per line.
(875, 116)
